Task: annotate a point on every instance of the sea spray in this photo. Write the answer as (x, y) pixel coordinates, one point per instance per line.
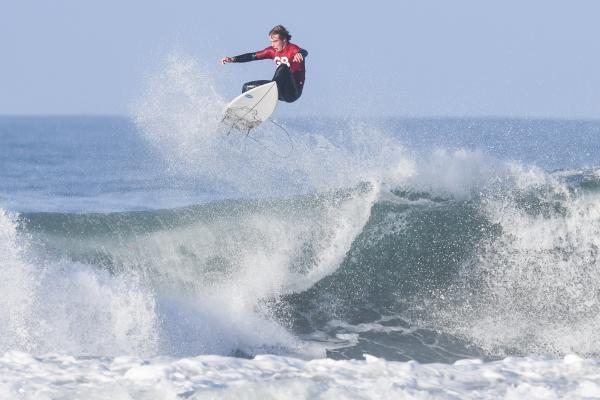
(179, 112)
(533, 286)
(60, 305)
(17, 287)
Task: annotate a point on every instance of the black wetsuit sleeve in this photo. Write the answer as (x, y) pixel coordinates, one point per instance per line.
(244, 57)
(304, 53)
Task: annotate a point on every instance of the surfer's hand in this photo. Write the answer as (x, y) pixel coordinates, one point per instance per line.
(226, 60)
(298, 58)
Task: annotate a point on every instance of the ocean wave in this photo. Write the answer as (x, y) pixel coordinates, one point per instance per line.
(509, 268)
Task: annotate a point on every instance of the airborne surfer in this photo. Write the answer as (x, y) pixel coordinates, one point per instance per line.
(289, 59)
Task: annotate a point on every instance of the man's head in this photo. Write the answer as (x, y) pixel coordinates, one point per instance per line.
(279, 37)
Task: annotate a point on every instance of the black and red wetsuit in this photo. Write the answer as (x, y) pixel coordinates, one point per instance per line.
(289, 74)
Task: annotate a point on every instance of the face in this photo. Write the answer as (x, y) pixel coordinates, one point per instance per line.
(277, 43)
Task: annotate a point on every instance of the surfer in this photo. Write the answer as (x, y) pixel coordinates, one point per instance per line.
(289, 59)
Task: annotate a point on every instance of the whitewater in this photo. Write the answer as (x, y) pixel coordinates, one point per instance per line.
(152, 256)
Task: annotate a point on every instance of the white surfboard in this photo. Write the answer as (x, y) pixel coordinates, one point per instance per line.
(251, 108)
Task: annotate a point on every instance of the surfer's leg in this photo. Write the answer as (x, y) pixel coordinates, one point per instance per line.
(286, 85)
(251, 85)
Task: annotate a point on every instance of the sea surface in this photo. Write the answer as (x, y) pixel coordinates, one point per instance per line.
(153, 256)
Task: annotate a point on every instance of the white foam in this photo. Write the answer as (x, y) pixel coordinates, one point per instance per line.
(268, 376)
(83, 310)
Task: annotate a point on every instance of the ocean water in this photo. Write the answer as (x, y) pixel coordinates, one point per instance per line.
(152, 256)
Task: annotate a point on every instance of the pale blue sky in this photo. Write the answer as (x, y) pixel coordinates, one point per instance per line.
(402, 58)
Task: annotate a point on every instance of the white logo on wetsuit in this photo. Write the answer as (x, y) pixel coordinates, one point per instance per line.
(281, 60)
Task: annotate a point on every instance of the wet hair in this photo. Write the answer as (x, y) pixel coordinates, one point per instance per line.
(282, 32)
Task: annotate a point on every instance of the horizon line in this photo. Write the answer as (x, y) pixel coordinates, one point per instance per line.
(399, 117)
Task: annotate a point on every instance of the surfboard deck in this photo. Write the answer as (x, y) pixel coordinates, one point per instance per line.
(251, 108)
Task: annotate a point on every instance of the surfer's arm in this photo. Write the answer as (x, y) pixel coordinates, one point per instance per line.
(244, 58)
(239, 59)
(300, 56)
